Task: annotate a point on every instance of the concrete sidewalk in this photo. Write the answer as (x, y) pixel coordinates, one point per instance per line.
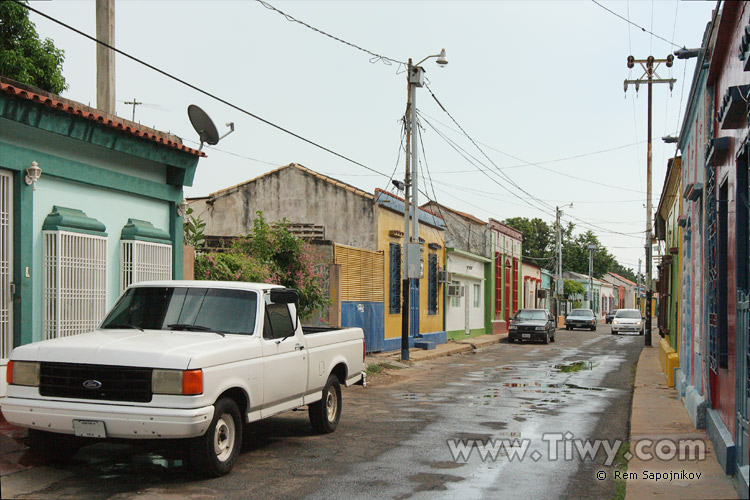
(448, 349)
(658, 414)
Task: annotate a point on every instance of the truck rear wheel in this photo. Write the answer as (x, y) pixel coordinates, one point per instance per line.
(214, 453)
(57, 448)
(326, 413)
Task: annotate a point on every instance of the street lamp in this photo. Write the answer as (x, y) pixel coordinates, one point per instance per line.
(412, 251)
(684, 53)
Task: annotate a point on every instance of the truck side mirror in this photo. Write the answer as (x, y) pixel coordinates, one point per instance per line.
(284, 296)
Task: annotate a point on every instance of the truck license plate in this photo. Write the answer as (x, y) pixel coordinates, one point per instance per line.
(89, 428)
(526, 335)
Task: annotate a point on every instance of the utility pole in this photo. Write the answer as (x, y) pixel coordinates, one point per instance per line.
(591, 277)
(412, 249)
(638, 279)
(559, 290)
(134, 103)
(649, 65)
(558, 274)
(105, 57)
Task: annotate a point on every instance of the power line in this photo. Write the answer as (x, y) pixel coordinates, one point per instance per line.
(499, 169)
(376, 57)
(556, 160)
(198, 89)
(505, 175)
(398, 157)
(482, 151)
(637, 26)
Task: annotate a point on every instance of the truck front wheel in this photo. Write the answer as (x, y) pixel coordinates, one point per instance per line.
(325, 414)
(214, 453)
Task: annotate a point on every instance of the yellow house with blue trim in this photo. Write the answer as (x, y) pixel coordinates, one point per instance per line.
(427, 325)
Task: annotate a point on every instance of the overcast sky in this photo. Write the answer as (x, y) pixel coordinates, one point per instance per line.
(537, 85)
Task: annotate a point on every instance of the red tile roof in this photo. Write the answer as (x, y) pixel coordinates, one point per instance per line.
(71, 107)
(622, 278)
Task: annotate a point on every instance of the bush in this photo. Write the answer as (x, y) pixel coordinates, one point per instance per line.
(268, 254)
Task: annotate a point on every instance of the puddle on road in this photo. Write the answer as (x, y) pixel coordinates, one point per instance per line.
(432, 482)
(421, 398)
(495, 425)
(446, 465)
(575, 367)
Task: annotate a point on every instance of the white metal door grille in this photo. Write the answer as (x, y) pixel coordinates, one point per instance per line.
(144, 261)
(6, 259)
(75, 283)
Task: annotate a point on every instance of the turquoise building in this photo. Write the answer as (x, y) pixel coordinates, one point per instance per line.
(89, 203)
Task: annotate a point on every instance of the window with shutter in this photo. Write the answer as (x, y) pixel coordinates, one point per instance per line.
(394, 279)
(432, 284)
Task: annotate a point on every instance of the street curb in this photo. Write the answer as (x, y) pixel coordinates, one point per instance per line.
(443, 350)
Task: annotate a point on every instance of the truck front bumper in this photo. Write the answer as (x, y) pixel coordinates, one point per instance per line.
(129, 422)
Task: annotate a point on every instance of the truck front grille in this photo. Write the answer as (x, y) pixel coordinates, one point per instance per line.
(101, 382)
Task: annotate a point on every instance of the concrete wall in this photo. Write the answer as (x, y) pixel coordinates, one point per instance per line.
(294, 194)
(463, 233)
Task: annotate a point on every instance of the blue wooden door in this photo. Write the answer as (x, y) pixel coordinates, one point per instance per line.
(414, 308)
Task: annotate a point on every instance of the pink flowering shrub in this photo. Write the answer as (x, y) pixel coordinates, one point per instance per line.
(268, 254)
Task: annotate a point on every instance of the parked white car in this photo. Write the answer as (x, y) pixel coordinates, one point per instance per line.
(191, 360)
(628, 320)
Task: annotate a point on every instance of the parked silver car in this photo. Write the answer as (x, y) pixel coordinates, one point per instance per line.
(628, 320)
(581, 318)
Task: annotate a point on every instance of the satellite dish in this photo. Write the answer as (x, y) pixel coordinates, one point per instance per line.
(203, 125)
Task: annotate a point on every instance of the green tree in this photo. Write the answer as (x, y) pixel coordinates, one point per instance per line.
(192, 230)
(571, 287)
(538, 236)
(23, 56)
(268, 254)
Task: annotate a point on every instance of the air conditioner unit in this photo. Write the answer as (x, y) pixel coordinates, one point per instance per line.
(541, 294)
(455, 291)
(445, 277)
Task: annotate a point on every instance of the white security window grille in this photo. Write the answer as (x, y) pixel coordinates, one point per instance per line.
(6, 257)
(75, 283)
(144, 261)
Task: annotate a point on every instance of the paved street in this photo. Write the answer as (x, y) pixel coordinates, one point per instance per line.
(393, 438)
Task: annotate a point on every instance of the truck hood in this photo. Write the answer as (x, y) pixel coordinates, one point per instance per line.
(151, 348)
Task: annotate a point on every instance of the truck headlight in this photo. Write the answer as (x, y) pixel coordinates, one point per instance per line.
(23, 373)
(513, 327)
(615, 322)
(638, 323)
(539, 328)
(188, 382)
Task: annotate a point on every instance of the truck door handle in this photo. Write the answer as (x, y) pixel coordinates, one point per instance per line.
(298, 347)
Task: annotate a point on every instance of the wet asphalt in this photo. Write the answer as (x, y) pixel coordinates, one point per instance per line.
(393, 439)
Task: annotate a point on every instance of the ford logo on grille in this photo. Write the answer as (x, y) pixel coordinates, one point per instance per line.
(92, 384)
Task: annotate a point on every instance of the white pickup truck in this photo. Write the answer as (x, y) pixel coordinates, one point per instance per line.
(193, 360)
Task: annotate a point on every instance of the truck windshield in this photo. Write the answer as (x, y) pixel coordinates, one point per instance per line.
(185, 308)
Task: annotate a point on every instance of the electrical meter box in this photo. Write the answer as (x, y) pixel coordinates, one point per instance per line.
(414, 261)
